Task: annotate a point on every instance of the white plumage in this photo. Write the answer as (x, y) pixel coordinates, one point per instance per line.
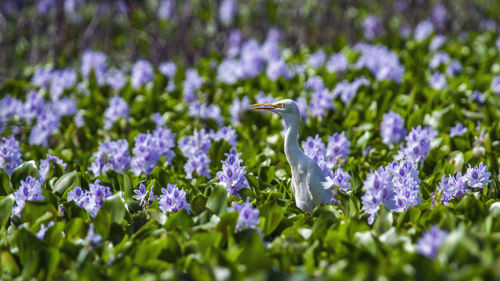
(308, 181)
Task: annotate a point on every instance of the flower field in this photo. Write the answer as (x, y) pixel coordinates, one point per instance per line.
(130, 149)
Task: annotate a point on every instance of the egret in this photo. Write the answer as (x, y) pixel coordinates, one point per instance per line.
(308, 180)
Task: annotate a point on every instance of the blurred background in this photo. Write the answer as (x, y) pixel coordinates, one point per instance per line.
(56, 32)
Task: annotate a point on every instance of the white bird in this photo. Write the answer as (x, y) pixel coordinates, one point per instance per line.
(308, 180)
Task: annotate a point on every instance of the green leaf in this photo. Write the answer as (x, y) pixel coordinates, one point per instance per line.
(9, 264)
(217, 200)
(35, 209)
(115, 206)
(273, 214)
(180, 219)
(22, 172)
(5, 187)
(6, 205)
(66, 182)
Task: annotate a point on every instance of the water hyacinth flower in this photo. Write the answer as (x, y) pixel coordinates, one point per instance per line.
(315, 149)
(9, 108)
(230, 71)
(248, 217)
(423, 30)
(338, 179)
(116, 79)
(347, 91)
(29, 190)
(199, 141)
(417, 145)
(61, 80)
(438, 59)
(314, 83)
(198, 162)
(337, 149)
(321, 102)
(392, 128)
(438, 15)
(32, 107)
(277, 68)
(479, 97)
(251, 58)
(226, 133)
(454, 68)
(495, 84)
(10, 155)
(437, 42)
(431, 241)
(141, 195)
(43, 229)
(111, 155)
(378, 188)
(302, 106)
(78, 120)
(227, 11)
(44, 168)
(372, 27)
(96, 61)
(232, 175)
(46, 124)
(458, 130)
(477, 177)
(173, 199)
(238, 108)
(337, 63)
(317, 59)
(142, 73)
(92, 237)
(382, 62)
(149, 148)
(191, 84)
(169, 69)
(406, 185)
(205, 111)
(157, 118)
(64, 107)
(118, 108)
(452, 187)
(92, 199)
(438, 81)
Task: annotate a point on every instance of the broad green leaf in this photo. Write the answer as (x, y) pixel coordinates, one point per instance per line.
(180, 219)
(66, 182)
(217, 200)
(22, 172)
(6, 205)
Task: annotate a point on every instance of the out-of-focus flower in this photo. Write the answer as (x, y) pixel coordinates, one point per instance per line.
(169, 69)
(116, 79)
(392, 128)
(372, 27)
(238, 108)
(438, 81)
(437, 42)
(92, 237)
(195, 148)
(438, 15)
(118, 108)
(347, 91)
(173, 199)
(112, 155)
(479, 97)
(418, 143)
(142, 73)
(234, 42)
(478, 177)
(93, 60)
(495, 84)
(423, 30)
(337, 149)
(337, 63)
(205, 111)
(165, 9)
(33, 106)
(43, 229)
(10, 155)
(458, 130)
(321, 102)
(198, 162)
(232, 175)
(45, 166)
(226, 133)
(227, 11)
(64, 107)
(382, 62)
(191, 84)
(149, 148)
(277, 68)
(61, 80)
(248, 216)
(317, 59)
(29, 190)
(438, 59)
(46, 124)
(431, 241)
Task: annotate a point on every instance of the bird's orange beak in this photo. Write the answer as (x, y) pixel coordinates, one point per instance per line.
(266, 106)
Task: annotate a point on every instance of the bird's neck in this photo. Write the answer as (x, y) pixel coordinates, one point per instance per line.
(292, 149)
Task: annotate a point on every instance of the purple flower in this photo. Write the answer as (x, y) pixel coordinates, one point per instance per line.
(173, 199)
(116, 79)
(230, 71)
(372, 27)
(199, 141)
(92, 237)
(91, 200)
(438, 15)
(78, 120)
(340, 179)
(165, 142)
(42, 77)
(10, 155)
(149, 148)
(43, 229)
(337, 149)
(337, 63)
(348, 91)
(452, 187)
(379, 190)
(423, 30)
(45, 6)
(46, 124)
(418, 143)
(454, 68)
(406, 185)
(479, 97)
(382, 63)
(112, 155)
(277, 68)
(431, 241)
(437, 42)
(238, 108)
(438, 81)
(315, 149)
(168, 69)
(251, 58)
(191, 84)
(302, 105)
(226, 133)
(64, 106)
(142, 73)
(77, 195)
(33, 106)
(495, 84)
(234, 42)
(477, 177)
(438, 59)
(118, 108)
(248, 217)
(141, 194)
(205, 111)
(392, 128)
(314, 83)
(232, 175)
(29, 190)
(92, 60)
(321, 102)
(61, 80)
(198, 162)
(317, 59)
(44, 168)
(458, 130)
(165, 9)
(227, 11)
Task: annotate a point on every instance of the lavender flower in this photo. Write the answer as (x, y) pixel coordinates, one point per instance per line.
(321, 102)
(406, 185)
(277, 68)
(142, 72)
(33, 106)
(458, 130)
(248, 216)
(141, 195)
(91, 200)
(337, 149)
(372, 27)
(392, 128)
(92, 60)
(118, 108)
(45, 166)
(452, 187)
(438, 81)
(431, 241)
(43, 229)
(495, 84)
(382, 62)
(337, 63)
(226, 133)
(238, 108)
(29, 190)
(437, 42)
(116, 79)
(379, 190)
(198, 162)
(477, 177)
(227, 11)
(317, 59)
(10, 155)
(173, 199)
(439, 59)
(112, 155)
(423, 30)
(232, 175)
(149, 148)
(192, 83)
(315, 149)
(454, 68)
(92, 237)
(205, 111)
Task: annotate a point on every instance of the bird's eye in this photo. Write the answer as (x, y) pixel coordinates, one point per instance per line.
(280, 105)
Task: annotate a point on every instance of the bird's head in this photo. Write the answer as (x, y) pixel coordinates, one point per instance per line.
(285, 108)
